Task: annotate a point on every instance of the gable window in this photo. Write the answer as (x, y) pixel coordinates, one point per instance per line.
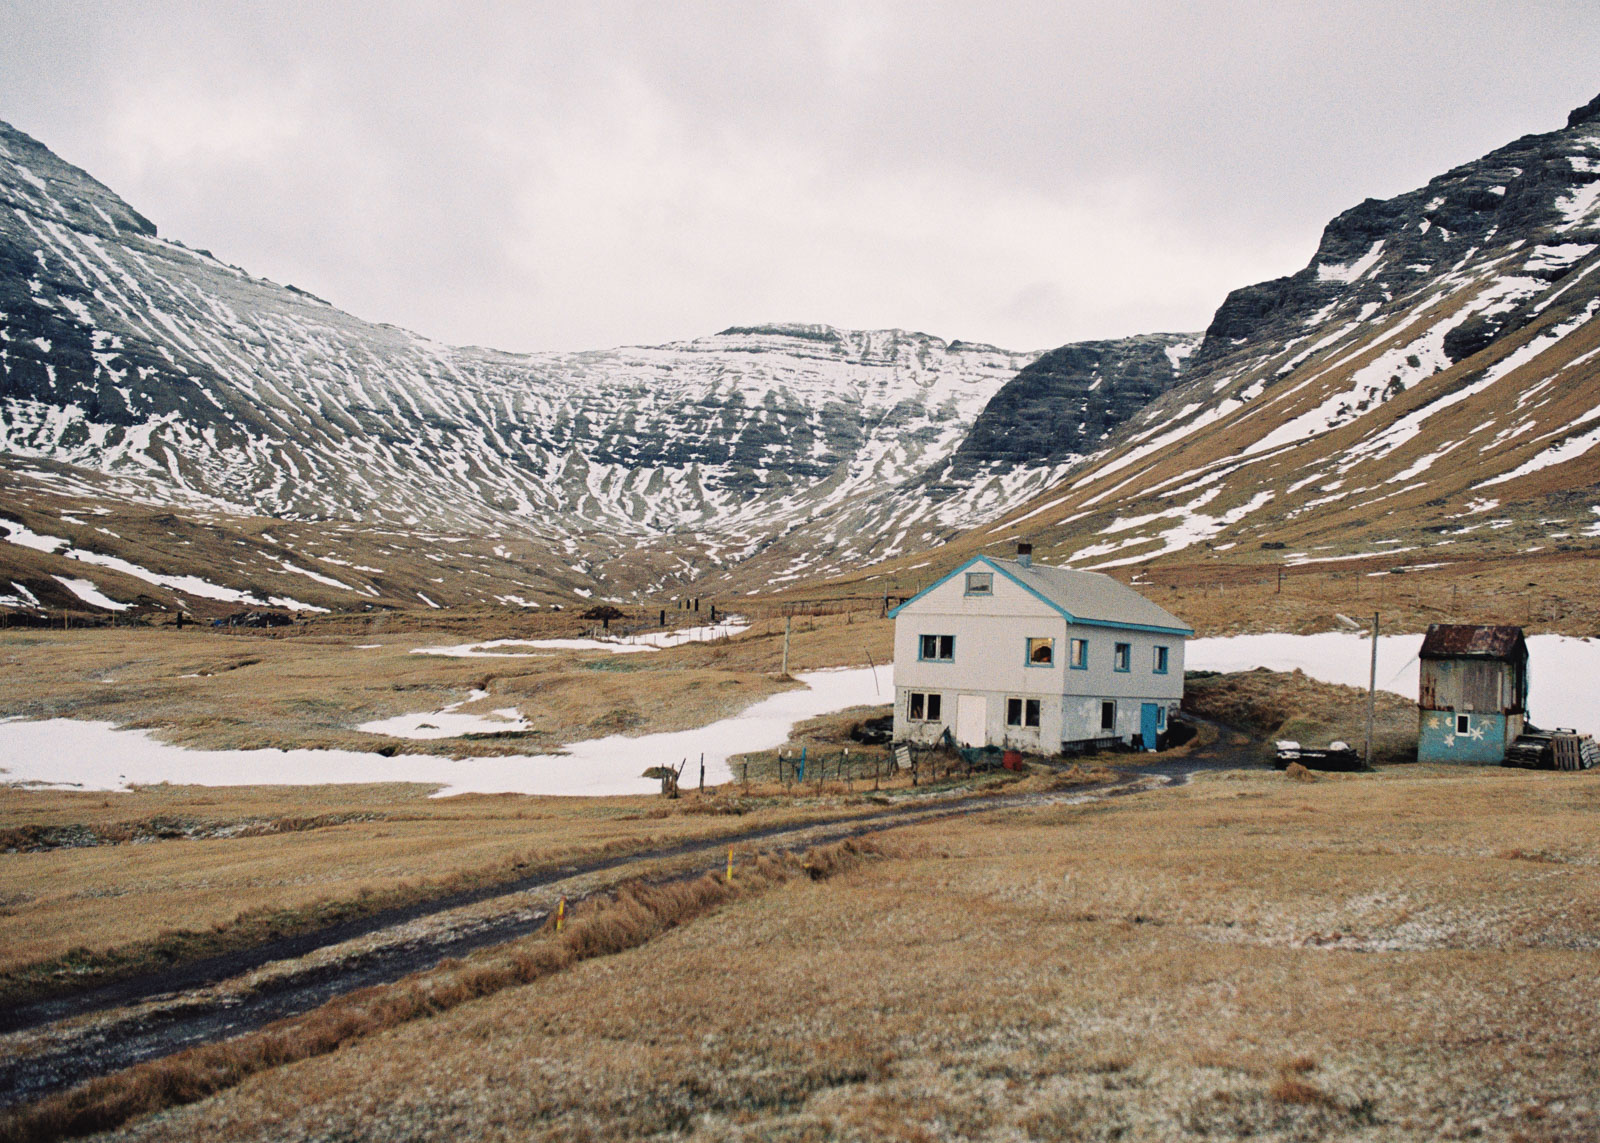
(1078, 655)
(1161, 661)
(936, 648)
(980, 583)
(1121, 656)
(1108, 715)
(1041, 652)
(1463, 724)
(1022, 712)
(922, 706)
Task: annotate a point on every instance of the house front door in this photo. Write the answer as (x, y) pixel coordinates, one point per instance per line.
(1150, 724)
(972, 720)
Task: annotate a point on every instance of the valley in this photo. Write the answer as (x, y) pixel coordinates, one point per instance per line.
(1187, 947)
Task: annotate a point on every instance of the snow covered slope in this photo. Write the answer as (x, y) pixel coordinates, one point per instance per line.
(135, 370)
(1430, 378)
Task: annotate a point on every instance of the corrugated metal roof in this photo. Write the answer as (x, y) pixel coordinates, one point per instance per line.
(1465, 640)
(1091, 595)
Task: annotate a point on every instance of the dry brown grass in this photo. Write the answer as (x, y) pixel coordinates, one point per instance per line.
(631, 917)
(1289, 704)
(1241, 957)
(1237, 593)
(70, 916)
(311, 691)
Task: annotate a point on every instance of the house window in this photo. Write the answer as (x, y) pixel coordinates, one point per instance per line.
(1108, 715)
(980, 583)
(1161, 660)
(937, 648)
(1463, 724)
(922, 706)
(1041, 652)
(1078, 654)
(1121, 656)
(1022, 712)
(1161, 719)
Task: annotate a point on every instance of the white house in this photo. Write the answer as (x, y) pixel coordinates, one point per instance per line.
(1006, 653)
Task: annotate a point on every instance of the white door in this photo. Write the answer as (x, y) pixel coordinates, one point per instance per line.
(972, 720)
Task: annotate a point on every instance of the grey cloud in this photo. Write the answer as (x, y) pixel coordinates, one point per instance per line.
(571, 176)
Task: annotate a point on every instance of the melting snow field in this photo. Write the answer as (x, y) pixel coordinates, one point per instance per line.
(621, 645)
(449, 722)
(97, 756)
(1561, 670)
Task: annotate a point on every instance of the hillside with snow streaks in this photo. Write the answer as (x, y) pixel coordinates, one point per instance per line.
(130, 356)
(1432, 376)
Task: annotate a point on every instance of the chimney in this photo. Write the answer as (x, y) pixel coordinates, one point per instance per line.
(1025, 555)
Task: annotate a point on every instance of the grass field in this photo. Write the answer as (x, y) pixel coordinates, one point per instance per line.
(1273, 705)
(312, 686)
(1408, 955)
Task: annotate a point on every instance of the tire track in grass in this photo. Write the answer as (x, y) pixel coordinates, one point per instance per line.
(100, 1049)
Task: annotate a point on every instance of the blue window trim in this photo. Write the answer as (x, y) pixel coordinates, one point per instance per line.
(1161, 657)
(1027, 659)
(1118, 648)
(921, 658)
(1076, 666)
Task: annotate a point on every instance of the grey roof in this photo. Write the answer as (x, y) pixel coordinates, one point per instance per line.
(1091, 595)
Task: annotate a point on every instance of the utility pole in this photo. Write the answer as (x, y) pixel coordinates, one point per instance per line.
(1372, 690)
(788, 622)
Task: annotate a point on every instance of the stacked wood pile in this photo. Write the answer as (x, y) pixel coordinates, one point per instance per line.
(1553, 750)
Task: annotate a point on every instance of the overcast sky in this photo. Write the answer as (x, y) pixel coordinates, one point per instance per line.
(582, 174)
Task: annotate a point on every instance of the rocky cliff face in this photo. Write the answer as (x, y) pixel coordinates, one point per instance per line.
(1070, 402)
(1430, 378)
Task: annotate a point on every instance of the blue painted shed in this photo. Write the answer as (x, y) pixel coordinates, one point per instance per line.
(1472, 695)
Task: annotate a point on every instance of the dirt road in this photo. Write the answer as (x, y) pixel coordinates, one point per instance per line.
(113, 1027)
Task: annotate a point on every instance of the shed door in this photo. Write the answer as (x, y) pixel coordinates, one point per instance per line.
(972, 720)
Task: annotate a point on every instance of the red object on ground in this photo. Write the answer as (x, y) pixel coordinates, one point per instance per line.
(1011, 760)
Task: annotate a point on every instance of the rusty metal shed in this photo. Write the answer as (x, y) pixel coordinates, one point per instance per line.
(1470, 641)
(1472, 692)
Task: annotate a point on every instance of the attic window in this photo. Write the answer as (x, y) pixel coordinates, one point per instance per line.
(980, 583)
(1041, 652)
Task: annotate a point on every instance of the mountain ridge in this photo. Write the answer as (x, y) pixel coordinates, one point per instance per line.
(135, 357)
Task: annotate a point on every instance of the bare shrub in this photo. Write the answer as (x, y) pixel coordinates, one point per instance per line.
(629, 918)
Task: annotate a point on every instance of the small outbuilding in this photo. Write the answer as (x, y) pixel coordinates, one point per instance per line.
(1008, 653)
(1472, 696)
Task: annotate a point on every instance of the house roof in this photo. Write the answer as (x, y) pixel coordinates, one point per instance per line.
(1469, 641)
(1082, 596)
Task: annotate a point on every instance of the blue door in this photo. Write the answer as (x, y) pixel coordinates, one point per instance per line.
(1150, 723)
